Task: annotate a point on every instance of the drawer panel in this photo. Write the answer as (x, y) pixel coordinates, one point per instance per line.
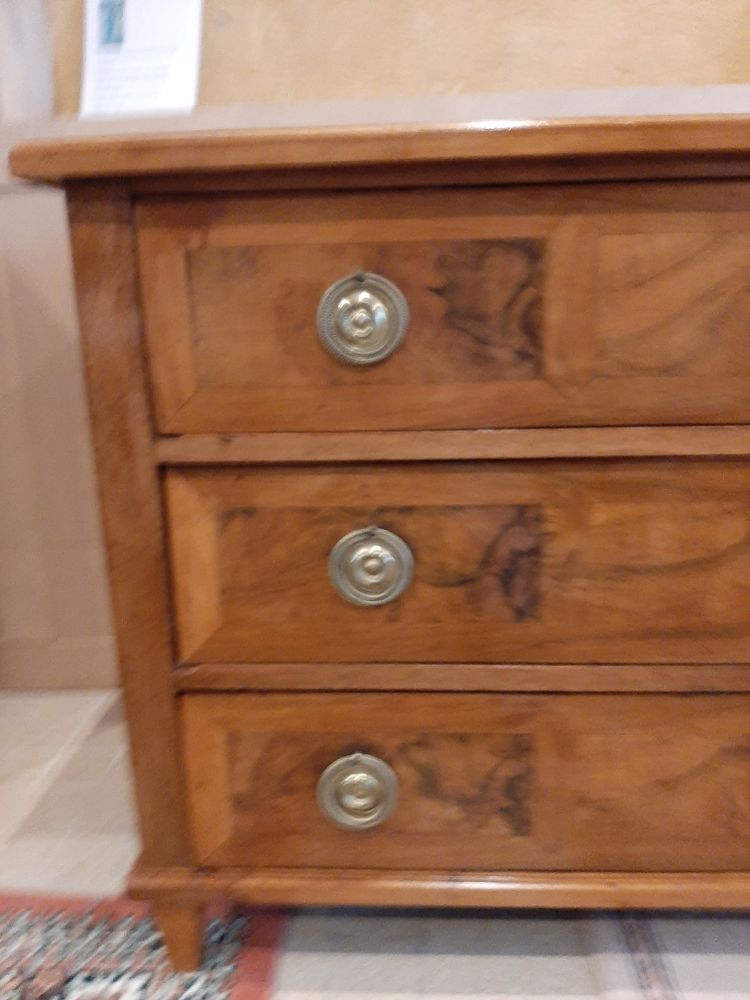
(536, 306)
(578, 782)
(620, 561)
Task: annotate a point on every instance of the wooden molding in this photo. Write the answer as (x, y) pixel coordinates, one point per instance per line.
(104, 259)
(393, 446)
(591, 677)
(690, 138)
(306, 887)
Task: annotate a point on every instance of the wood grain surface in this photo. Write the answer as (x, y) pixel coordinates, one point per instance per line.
(180, 924)
(104, 258)
(591, 677)
(683, 138)
(439, 888)
(580, 782)
(611, 561)
(409, 446)
(593, 305)
(562, 689)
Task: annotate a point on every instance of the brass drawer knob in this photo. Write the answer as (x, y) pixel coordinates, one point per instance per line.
(370, 566)
(362, 318)
(358, 791)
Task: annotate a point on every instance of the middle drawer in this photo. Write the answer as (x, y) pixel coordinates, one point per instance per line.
(617, 561)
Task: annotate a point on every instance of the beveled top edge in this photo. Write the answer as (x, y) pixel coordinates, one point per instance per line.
(285, 148)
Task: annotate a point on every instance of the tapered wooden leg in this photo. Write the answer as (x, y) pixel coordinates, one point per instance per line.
(181, 926)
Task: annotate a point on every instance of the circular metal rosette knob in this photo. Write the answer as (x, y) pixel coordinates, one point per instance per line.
(362, 318)
(370, 566)
(358, 791)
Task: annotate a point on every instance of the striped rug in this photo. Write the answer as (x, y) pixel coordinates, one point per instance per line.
(74, 949)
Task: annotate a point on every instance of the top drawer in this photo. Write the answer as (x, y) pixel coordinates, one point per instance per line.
(536, 306)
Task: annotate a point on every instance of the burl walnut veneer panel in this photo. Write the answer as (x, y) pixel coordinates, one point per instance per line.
(529, 307)
(607, 561)
(609, 782)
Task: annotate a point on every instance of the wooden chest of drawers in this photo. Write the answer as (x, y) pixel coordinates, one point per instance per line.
(425, 476)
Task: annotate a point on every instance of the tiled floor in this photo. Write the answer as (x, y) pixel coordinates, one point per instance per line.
(66, 815)
(66, 827)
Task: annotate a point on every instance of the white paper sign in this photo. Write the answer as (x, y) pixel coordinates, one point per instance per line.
(140, 56)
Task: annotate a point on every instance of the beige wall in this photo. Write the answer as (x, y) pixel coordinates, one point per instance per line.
(55, 628)
(295, 50)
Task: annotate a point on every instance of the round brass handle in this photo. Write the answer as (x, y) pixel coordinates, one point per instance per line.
(370, 566)
(358, 791)
(362, 318)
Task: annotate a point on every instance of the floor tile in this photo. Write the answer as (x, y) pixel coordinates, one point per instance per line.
(706, 956)
(30, 864)
(500, 956)
(92, 794)
(69, 865)
(79, 835)
(38, 733)
(609, 961)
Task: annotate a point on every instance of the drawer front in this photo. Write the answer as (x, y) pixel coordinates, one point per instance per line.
(536, 306)
(616, 561)
(579, 782)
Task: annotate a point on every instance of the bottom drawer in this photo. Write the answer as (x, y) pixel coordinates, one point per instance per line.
(477, 781)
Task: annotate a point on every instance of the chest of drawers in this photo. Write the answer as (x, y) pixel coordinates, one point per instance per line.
(423, 457)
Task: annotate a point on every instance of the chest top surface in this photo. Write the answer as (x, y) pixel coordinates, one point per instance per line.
(516, 150)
